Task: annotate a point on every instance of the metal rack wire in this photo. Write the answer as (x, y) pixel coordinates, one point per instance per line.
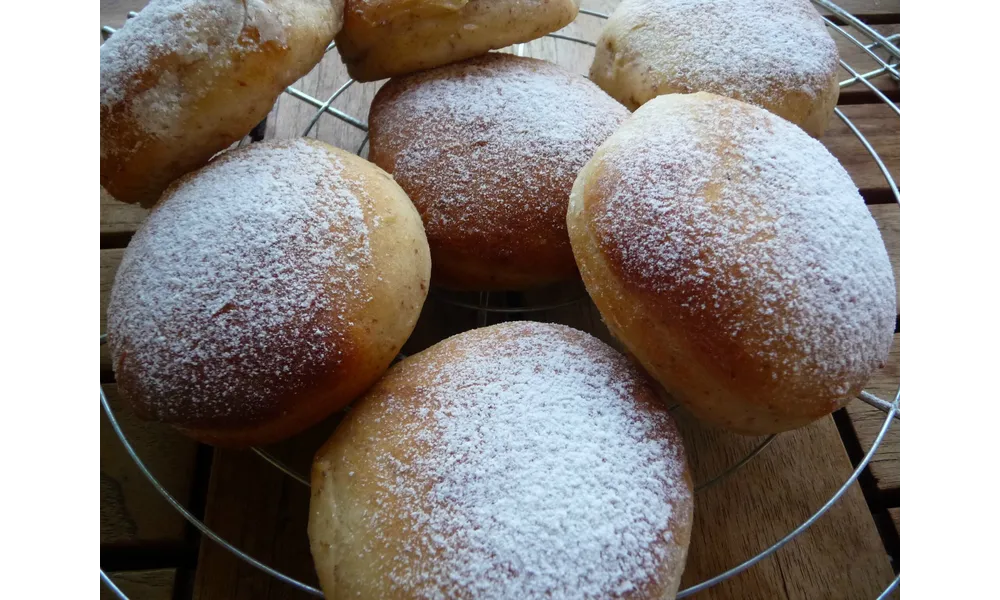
(883, 50)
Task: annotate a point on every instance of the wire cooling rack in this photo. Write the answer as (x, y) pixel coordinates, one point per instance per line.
(883, 52)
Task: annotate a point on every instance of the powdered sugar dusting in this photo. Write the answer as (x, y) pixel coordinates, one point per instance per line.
(235, 286)
(751, 50)
(189, 32)
(545, 478)
(467, 137)
(758, 227)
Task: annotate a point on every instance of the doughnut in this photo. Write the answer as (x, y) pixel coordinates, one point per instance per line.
(386, 38)
(488, 150)
(186, 79)
(266, 291)
(731, 254)
(776, 54)
(523, 460)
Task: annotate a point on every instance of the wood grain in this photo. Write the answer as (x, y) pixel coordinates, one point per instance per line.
(142, 585)
(114, 12)
(840, 556)
(118, 217)
(862, 62)
(881, 11)
(880, 125)
(262, 512)
(894, 513)
(132, 511)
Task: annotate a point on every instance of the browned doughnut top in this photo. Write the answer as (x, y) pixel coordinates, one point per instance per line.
(747, 233)
(522, 460)
(488, 150)
(240, 287)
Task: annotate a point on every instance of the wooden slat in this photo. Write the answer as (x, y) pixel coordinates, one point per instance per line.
(880, 125)
(118, 217)
(883, 11)
(290, 116)
(841, 556)
(132, 511)
(894, 513)
(142, 585)
(114, 12)
(262, 512)
(862, 62)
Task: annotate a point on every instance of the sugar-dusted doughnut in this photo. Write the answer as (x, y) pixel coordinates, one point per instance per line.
(772, 53)
(265, 291)
(488, 150)
(732, 255)
(523, 460)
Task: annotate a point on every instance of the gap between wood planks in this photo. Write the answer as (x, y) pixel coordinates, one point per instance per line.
(870, 19)
(182, 555)
(149, 556)
(879, 502)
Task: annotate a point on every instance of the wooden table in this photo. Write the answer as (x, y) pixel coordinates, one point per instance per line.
(852, 552)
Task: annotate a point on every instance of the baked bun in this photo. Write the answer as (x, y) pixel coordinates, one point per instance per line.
(488, 150)
(523, 460)
(775, 54)
(732, 255)
(266, 291)
(386, 38)
(188, 78)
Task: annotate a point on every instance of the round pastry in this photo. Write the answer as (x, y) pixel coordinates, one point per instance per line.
(523, 460)
(732, 255)
(185, 79)
(386, 38)
(772, 53)
(488, 150)
(265, 291)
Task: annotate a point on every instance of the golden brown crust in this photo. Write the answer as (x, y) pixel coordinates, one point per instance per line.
(186, 79)
(386, 38)
(739, 49)
(295, 341)
(378, 502)
(746, 275)
(488, 149)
